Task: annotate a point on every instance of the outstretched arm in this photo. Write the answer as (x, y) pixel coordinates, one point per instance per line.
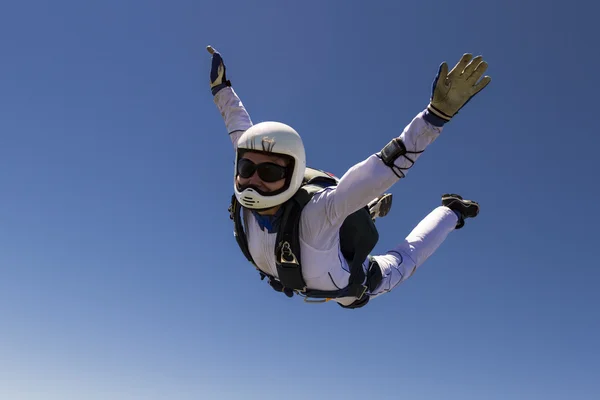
(373, 176)
(231, 108)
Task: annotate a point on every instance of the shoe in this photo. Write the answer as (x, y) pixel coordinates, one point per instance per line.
(380, 206)
(466, 208)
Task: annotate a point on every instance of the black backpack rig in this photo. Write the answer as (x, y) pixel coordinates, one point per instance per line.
(358, 237)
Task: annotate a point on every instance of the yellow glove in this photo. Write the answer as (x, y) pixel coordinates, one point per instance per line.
(451, 91)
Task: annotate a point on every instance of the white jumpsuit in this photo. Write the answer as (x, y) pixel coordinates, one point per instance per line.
(323, 266)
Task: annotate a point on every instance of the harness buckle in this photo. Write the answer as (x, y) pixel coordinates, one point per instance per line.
(362, 292)
(287, 256)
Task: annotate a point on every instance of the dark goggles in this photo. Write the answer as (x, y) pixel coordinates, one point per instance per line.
(267, 171)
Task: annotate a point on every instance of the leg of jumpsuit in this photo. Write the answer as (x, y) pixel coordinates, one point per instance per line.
(400, 263)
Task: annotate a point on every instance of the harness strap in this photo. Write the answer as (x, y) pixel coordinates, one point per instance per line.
(238, 229)
(287, 249)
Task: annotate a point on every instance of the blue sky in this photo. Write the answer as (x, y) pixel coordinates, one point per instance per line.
(120, 275)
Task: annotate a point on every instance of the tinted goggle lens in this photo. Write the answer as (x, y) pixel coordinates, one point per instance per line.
(268, 172)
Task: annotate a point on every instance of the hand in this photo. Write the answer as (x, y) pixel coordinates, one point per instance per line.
(451, 91)
(218, 77)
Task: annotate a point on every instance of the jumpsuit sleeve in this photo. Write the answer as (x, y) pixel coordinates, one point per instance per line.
(237, 120)
(370, 178)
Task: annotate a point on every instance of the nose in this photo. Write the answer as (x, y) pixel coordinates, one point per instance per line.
(254, 179)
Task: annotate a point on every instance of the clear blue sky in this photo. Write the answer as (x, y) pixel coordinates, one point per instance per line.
(120, 277)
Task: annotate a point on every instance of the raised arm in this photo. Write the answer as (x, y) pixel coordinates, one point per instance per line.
(236, 118)
(371, 177)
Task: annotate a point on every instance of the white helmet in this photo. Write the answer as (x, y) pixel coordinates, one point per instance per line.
(277, 139)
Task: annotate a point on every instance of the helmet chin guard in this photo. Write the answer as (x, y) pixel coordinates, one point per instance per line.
(277, 139)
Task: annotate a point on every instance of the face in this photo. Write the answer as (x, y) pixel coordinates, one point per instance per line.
(255, 180)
